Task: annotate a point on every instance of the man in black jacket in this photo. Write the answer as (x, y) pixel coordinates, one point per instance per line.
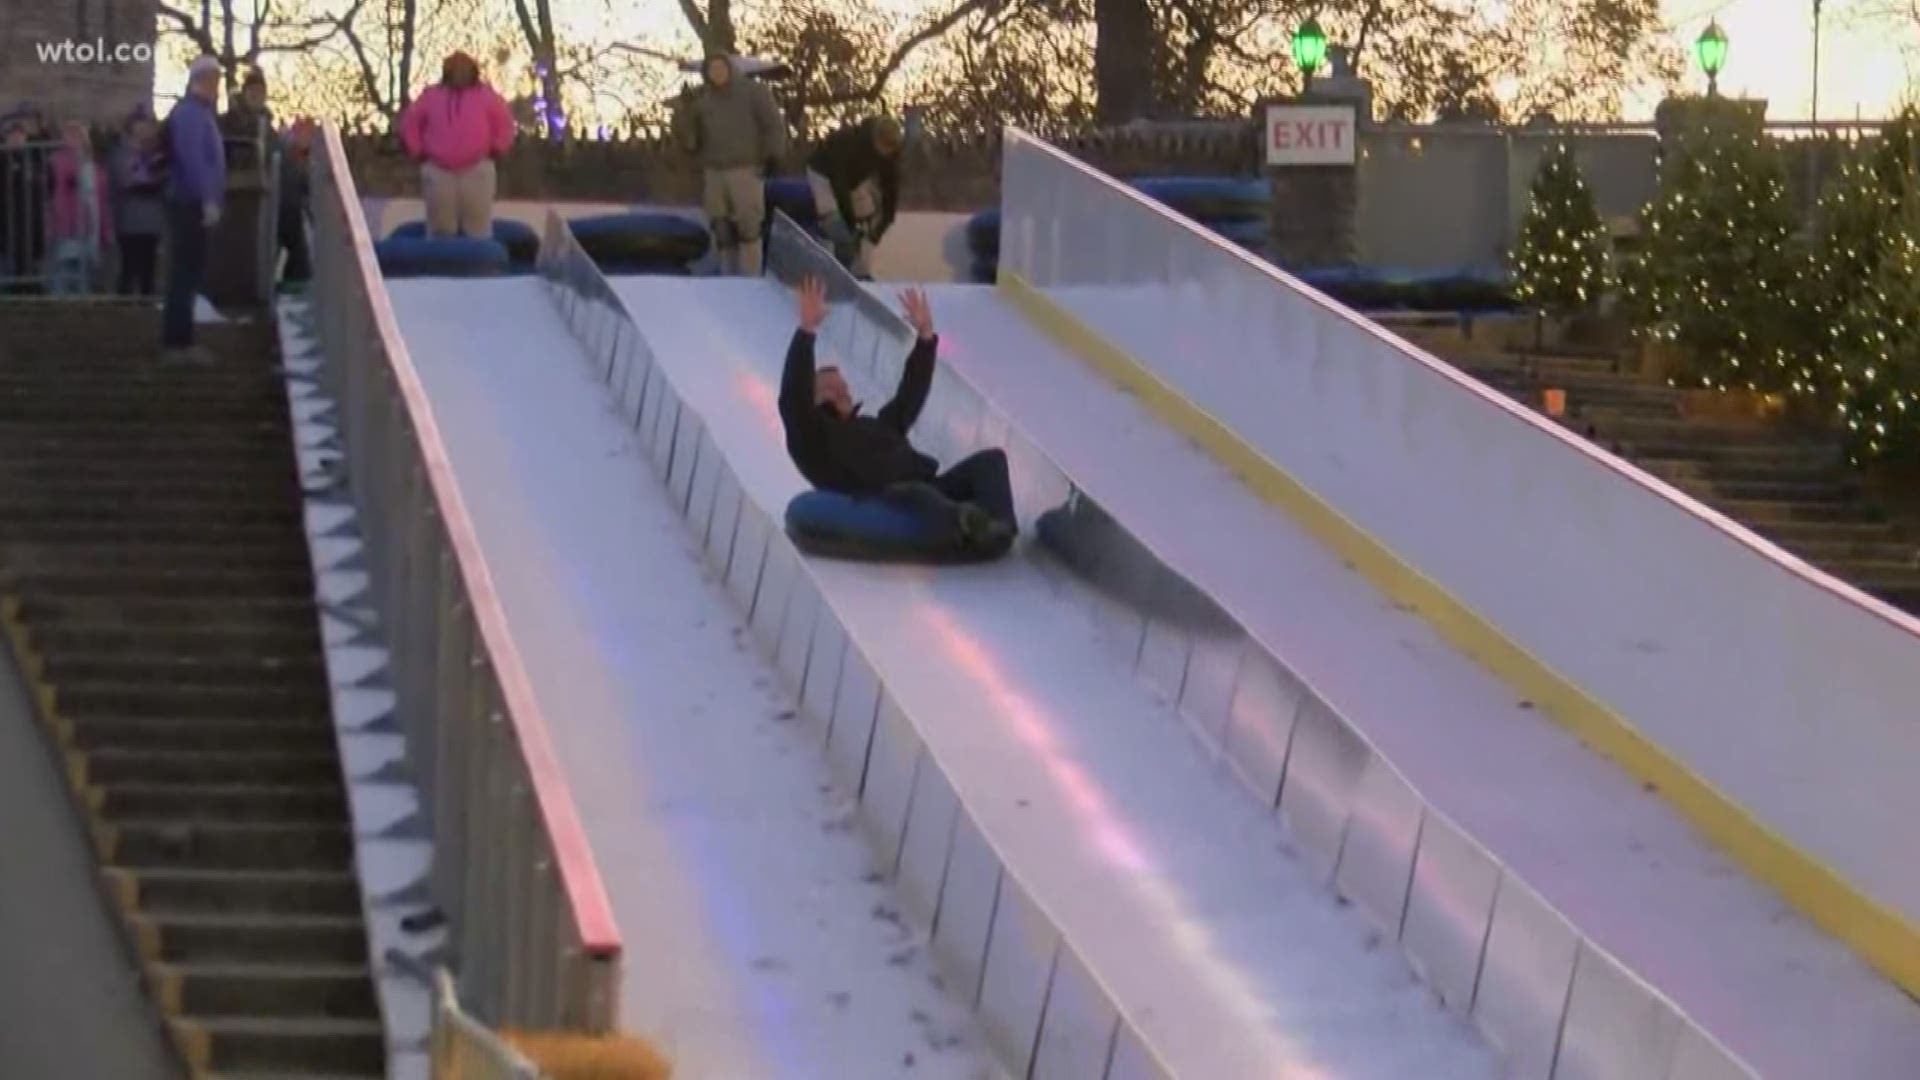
(838, 448)
(855, 177)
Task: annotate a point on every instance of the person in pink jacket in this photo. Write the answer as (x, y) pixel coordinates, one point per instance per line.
(455, 130)
(79, 228)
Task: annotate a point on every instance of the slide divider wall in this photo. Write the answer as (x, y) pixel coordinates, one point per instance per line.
(1769, 704)
(533, 933)
(1493, 950)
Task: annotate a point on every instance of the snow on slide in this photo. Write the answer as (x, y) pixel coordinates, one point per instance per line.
(759, 945)
(1622, 865)
(1221, 946)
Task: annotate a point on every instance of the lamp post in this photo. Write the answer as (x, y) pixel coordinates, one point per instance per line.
(1710, 49)
(1815, 108)
(1309, 50)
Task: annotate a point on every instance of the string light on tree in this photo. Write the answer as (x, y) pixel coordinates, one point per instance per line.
(1560, 266)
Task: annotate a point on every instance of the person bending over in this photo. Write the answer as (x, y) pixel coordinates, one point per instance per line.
(855, 177)
(839, 448)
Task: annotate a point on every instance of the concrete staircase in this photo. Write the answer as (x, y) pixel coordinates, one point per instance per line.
(1795, 490)
(155, 584)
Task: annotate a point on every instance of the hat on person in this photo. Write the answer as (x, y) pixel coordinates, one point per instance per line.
(203, 65)
(256, 77)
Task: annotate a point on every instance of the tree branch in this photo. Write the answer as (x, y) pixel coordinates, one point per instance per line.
(930, 32)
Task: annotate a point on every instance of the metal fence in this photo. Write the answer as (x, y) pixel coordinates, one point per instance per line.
(463, 1048)
(32, 260)
(534, 938)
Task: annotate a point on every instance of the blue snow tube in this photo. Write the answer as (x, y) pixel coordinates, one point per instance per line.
(522, 243)
(639, 238)
(877, 529)
(792, 196)
(1251, 235)
(400, 257)
(1210, 198)
(983, 236)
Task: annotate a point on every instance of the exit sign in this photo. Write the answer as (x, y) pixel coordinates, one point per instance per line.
(1310, 135)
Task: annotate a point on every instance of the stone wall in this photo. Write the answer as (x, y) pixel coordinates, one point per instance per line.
(69, 88)
(940, 174)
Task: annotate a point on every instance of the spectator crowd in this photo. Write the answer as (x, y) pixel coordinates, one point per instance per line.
(87, 210)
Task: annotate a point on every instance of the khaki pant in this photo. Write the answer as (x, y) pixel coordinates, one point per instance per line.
(459, 204)
(865, 200)
(736, 204)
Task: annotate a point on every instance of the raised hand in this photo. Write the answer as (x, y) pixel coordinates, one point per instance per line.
(813, 304)
(919, 312)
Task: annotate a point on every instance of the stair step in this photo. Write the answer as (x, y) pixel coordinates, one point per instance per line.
(1788, 532)
(197, 642)
(108, 733)
(1822, 493)
(153, 447)
(105, 767)
(108, 531)
(228, 989)
(69, 668)
(77, 506)
(1820, 551)
(296, 700)
(1747, 454)
(136, 583)
(228, 845)
(1765, 513)
(351, 1047)
(184, 891)
(254, 803)
(157, 615)
(266, 938)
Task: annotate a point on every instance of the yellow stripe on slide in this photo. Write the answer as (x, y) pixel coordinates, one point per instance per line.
(1879, 935)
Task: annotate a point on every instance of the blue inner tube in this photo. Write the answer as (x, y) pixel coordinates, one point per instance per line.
(522, 243)
(624, 239)
(792, 196)
(1211, 199)
(875, 529)
(983, 236)
(401, 257)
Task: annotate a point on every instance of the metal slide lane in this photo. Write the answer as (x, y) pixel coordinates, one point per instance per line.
(1218, 943)
(1619, 864)
(760, 945)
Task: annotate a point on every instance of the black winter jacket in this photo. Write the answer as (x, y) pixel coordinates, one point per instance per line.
(848, 158)
(855, 455)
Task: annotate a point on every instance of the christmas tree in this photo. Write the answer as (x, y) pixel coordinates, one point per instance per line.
(1718, 258)
(1864, 282)
(1561, 265)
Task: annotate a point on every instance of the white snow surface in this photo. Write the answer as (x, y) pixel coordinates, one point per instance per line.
(1618, 862)
(758, 942)
(1222, 947)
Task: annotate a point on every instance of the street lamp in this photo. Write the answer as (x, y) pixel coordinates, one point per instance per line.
(1711, 50)
(1309, 50)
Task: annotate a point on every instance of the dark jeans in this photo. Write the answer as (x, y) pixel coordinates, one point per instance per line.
(293, 241)
(981, 480)
(139, 259)
(186, 267)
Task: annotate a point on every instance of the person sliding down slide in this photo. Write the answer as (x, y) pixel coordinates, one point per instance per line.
(838, 448)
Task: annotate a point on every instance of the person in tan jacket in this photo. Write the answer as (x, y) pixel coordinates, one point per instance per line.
(734, 127)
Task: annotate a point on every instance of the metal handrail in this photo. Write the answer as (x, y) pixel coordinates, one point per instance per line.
(533, 930)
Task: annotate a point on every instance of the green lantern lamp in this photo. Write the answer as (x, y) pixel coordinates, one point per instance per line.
(1309, 49)
(1711, 51)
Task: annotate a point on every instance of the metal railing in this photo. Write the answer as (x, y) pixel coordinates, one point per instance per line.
(462, 1048)
(29, 246)
(533, 932)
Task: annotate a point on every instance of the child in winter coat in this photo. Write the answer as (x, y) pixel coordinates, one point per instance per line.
(79, 229)
(23, 204)
(139, 203)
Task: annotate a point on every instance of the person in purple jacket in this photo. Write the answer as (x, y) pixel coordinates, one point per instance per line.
(196, 190)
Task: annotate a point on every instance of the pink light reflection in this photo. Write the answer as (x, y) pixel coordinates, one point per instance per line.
(1030, 726)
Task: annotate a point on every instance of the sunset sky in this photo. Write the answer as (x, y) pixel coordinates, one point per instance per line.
(1770, 55)
(1864, 68)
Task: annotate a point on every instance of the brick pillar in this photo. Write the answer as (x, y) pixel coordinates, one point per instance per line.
(1310, 154)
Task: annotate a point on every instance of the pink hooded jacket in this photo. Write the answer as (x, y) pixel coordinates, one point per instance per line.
(457, 128)
(64, 218)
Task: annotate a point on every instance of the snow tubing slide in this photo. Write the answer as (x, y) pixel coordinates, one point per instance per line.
(879, 529)
(402, 257)
(522, 243)
(644, 239)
